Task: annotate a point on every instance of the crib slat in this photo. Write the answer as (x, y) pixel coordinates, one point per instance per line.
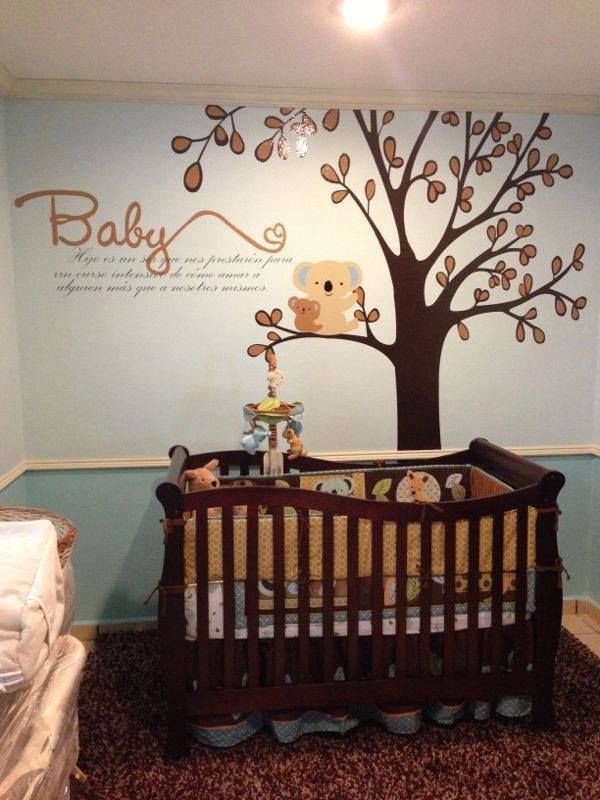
(400, 610)
(228, 600)
(425, 600)
(497, 581)
(303, 598)
(251, 588)
(377, 598)
(473, 598)
(279, 595)
(449, 596)
(352, 551)
(521, 590)
(202, 636)
(328, 607)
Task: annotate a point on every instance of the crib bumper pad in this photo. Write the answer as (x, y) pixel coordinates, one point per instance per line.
(340, 616)
(31, 599)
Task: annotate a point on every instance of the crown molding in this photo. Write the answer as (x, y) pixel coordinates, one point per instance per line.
(315, 98)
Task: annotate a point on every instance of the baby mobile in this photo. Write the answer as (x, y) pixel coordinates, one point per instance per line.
(264, 417)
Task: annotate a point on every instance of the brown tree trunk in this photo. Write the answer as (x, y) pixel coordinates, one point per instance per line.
(420, 334)
(417, 397)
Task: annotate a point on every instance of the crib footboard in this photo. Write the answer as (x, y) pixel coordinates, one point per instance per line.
(281, 599)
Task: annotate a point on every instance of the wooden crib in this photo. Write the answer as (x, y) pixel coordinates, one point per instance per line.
(286, 532)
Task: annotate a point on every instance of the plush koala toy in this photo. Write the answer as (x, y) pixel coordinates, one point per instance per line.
(306, 312)
(202, 478)
(331, 284)
(341, 484)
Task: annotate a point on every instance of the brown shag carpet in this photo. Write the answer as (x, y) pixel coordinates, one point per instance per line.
(122, 727)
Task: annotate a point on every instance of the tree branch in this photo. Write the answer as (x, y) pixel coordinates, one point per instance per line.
(370, 340)
(452, 234)
(467, 164)
(378, 235)
(402, 191)
(372, 139)
(515, 302)
(472, 267)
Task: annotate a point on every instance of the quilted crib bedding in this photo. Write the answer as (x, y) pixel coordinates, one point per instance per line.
(340, 624)
(379, 483)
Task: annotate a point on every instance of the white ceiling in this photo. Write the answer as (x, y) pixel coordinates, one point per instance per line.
(534, 47)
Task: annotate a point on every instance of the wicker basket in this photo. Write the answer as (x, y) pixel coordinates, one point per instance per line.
(65, 529)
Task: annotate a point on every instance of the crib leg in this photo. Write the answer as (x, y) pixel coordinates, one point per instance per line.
(176, 745)
(542, 711)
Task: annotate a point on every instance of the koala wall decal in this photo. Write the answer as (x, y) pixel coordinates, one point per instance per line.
(331, 284)
(306, 312)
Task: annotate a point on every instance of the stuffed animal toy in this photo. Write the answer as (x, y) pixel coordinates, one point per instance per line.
(295, 446)
(203, 477)
(274, 378)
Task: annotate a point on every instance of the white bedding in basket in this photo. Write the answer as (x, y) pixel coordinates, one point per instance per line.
(31, 599)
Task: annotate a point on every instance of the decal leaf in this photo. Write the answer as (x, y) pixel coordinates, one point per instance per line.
(181, 144)
(370, 189)
(264, 150)
(340, 195)
(344, 164)
(192, 179)
(463, 331)
(215, 112)
(263, 318)
(256, 349)
(274, 122)
(389, 148)
(328, 172)
(236, 143)
(560, 306)
(331, 119)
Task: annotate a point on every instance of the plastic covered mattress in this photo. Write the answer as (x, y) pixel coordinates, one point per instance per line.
(39, 733)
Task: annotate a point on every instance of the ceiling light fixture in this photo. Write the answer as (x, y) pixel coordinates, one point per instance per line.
(364, 15)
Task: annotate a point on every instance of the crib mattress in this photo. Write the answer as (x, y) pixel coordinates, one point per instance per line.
(340, 624)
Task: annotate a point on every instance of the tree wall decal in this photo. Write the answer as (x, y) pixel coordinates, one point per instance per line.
(507, 286)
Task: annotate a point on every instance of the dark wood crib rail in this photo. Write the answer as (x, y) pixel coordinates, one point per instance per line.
(217, 694)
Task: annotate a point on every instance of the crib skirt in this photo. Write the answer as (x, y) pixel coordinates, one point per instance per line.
(228, 730)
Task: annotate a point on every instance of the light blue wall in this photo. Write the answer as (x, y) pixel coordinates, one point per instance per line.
(11, 426)
(118, 553)
(126, 377)
(110, 356)
(15, 494)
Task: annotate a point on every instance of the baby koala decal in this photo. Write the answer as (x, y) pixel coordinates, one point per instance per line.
(306, 312)
(331, 284)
